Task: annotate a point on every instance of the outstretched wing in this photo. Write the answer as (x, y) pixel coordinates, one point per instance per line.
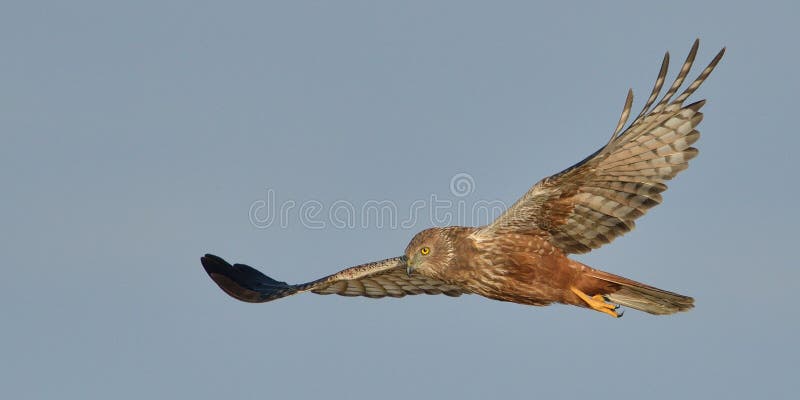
(376, 279)
(598, 199)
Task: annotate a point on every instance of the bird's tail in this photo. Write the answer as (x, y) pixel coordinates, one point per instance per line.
(636, 295)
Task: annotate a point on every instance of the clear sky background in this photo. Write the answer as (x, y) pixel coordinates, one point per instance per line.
(136, 136)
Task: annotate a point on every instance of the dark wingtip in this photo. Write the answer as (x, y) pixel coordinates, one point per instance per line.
(243, 282)
(214, 264)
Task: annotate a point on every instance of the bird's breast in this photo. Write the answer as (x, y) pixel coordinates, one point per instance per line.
(521, 266)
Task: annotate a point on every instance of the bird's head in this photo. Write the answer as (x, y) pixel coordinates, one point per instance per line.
(429, 251)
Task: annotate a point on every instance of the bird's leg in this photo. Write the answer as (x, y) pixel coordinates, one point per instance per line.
(598, 303)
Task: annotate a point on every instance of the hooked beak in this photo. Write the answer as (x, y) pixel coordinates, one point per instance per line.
(409, 267)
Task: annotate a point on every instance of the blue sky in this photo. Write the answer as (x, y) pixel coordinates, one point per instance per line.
(138, 136)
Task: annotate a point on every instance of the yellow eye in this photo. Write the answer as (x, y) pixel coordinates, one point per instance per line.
(425, 251)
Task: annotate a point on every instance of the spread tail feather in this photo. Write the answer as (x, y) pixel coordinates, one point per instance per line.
(642, 297)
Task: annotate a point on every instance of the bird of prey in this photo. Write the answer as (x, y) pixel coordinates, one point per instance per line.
(521, 257)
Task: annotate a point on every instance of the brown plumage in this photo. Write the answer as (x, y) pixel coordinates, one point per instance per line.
(521, 257)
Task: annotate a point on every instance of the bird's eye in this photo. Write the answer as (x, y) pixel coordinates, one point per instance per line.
(425, 251)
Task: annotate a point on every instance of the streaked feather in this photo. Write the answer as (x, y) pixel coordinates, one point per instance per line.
(385, 278)
(598, 199)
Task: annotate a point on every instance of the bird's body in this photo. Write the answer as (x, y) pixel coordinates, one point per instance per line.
(521, 257)
(520, 268)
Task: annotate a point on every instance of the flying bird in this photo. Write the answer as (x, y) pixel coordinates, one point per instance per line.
(521, 257)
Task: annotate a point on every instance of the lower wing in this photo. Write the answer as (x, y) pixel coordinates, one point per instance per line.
(376, 279)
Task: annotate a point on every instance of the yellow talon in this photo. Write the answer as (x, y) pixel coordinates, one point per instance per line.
(598, 303)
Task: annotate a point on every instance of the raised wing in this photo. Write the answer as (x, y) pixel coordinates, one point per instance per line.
(376, 279)
(598, 199)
